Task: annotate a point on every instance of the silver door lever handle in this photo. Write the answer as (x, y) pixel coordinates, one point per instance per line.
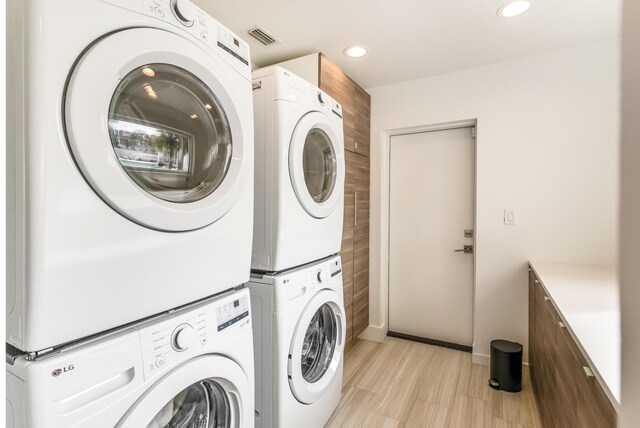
(467, 249)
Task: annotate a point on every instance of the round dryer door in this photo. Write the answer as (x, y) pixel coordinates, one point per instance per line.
(316, 165)
(153, 122)
(317, 347)
(208, 392)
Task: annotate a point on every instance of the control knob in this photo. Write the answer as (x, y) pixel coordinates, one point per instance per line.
(182, 337)
(184, 10)
(321, 275)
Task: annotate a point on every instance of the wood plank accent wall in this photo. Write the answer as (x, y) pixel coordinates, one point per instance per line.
(356, 108)
(362, 122)
(336, 83)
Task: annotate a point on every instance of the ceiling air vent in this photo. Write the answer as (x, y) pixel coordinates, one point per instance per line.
(261, 35)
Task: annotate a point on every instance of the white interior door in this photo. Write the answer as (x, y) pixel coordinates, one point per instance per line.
(431, 206)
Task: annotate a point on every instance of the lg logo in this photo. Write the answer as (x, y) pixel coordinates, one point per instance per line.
(58, 372)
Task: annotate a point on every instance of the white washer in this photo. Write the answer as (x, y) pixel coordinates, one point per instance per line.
(131, 164)
(190, 367)
(299, 174)
(299, 332)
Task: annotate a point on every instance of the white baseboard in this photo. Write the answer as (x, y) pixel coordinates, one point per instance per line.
(373, 333)
(480, 359)
(484, 360)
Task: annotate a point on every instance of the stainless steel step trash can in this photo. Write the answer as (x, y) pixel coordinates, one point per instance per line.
(506, 366)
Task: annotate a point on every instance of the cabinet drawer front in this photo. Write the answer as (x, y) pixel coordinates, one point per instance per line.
(568, 367)
(566, 397)
(594, 408)
(532, 311)
(546, 398)
(545, 325)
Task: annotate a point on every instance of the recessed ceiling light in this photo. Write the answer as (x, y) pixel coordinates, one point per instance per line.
(148, 71)
(513, 8)
(150, 92)
(355, 51)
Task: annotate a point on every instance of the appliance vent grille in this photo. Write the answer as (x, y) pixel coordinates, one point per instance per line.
(263, 36)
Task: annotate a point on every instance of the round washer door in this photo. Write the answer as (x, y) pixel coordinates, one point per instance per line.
(317, 347)
(316, 165)
(209, 392)
(152, 123)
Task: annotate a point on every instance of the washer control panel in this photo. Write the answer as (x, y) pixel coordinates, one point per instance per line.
(319, 276)
(231, 313)
(299, 283)
(183, 337)
(326, 272)
(188, 332)
(335, 267)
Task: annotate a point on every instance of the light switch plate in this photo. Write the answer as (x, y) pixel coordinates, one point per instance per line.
(509, 217)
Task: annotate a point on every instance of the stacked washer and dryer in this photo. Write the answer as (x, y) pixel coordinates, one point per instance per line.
(296, 280)
(131, 189)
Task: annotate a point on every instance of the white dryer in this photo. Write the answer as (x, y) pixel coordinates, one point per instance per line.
(299, 173)
(299, 336)
(130, 164)
(192, 367)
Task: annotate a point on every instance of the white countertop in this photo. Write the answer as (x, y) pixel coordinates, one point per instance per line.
(587, 297)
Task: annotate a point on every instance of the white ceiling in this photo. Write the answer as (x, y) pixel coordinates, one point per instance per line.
(409, 39)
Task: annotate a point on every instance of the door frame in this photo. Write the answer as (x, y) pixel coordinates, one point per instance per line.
(386, 209)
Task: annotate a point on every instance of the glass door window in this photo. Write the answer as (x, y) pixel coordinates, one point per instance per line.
(319, 344)
(317, 347)
(170, 133)
(316, 165)
(204, 404)
(319, 164)
(153, 122)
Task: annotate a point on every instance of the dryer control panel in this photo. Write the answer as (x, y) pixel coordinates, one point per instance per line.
(324, 101)
(191, 330)
(291, 87)
(186, 16)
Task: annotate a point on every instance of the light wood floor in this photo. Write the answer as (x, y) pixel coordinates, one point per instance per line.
(405, 384)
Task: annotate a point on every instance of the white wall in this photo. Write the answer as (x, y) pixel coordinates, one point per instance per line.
(547, 146)
(630, 218)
